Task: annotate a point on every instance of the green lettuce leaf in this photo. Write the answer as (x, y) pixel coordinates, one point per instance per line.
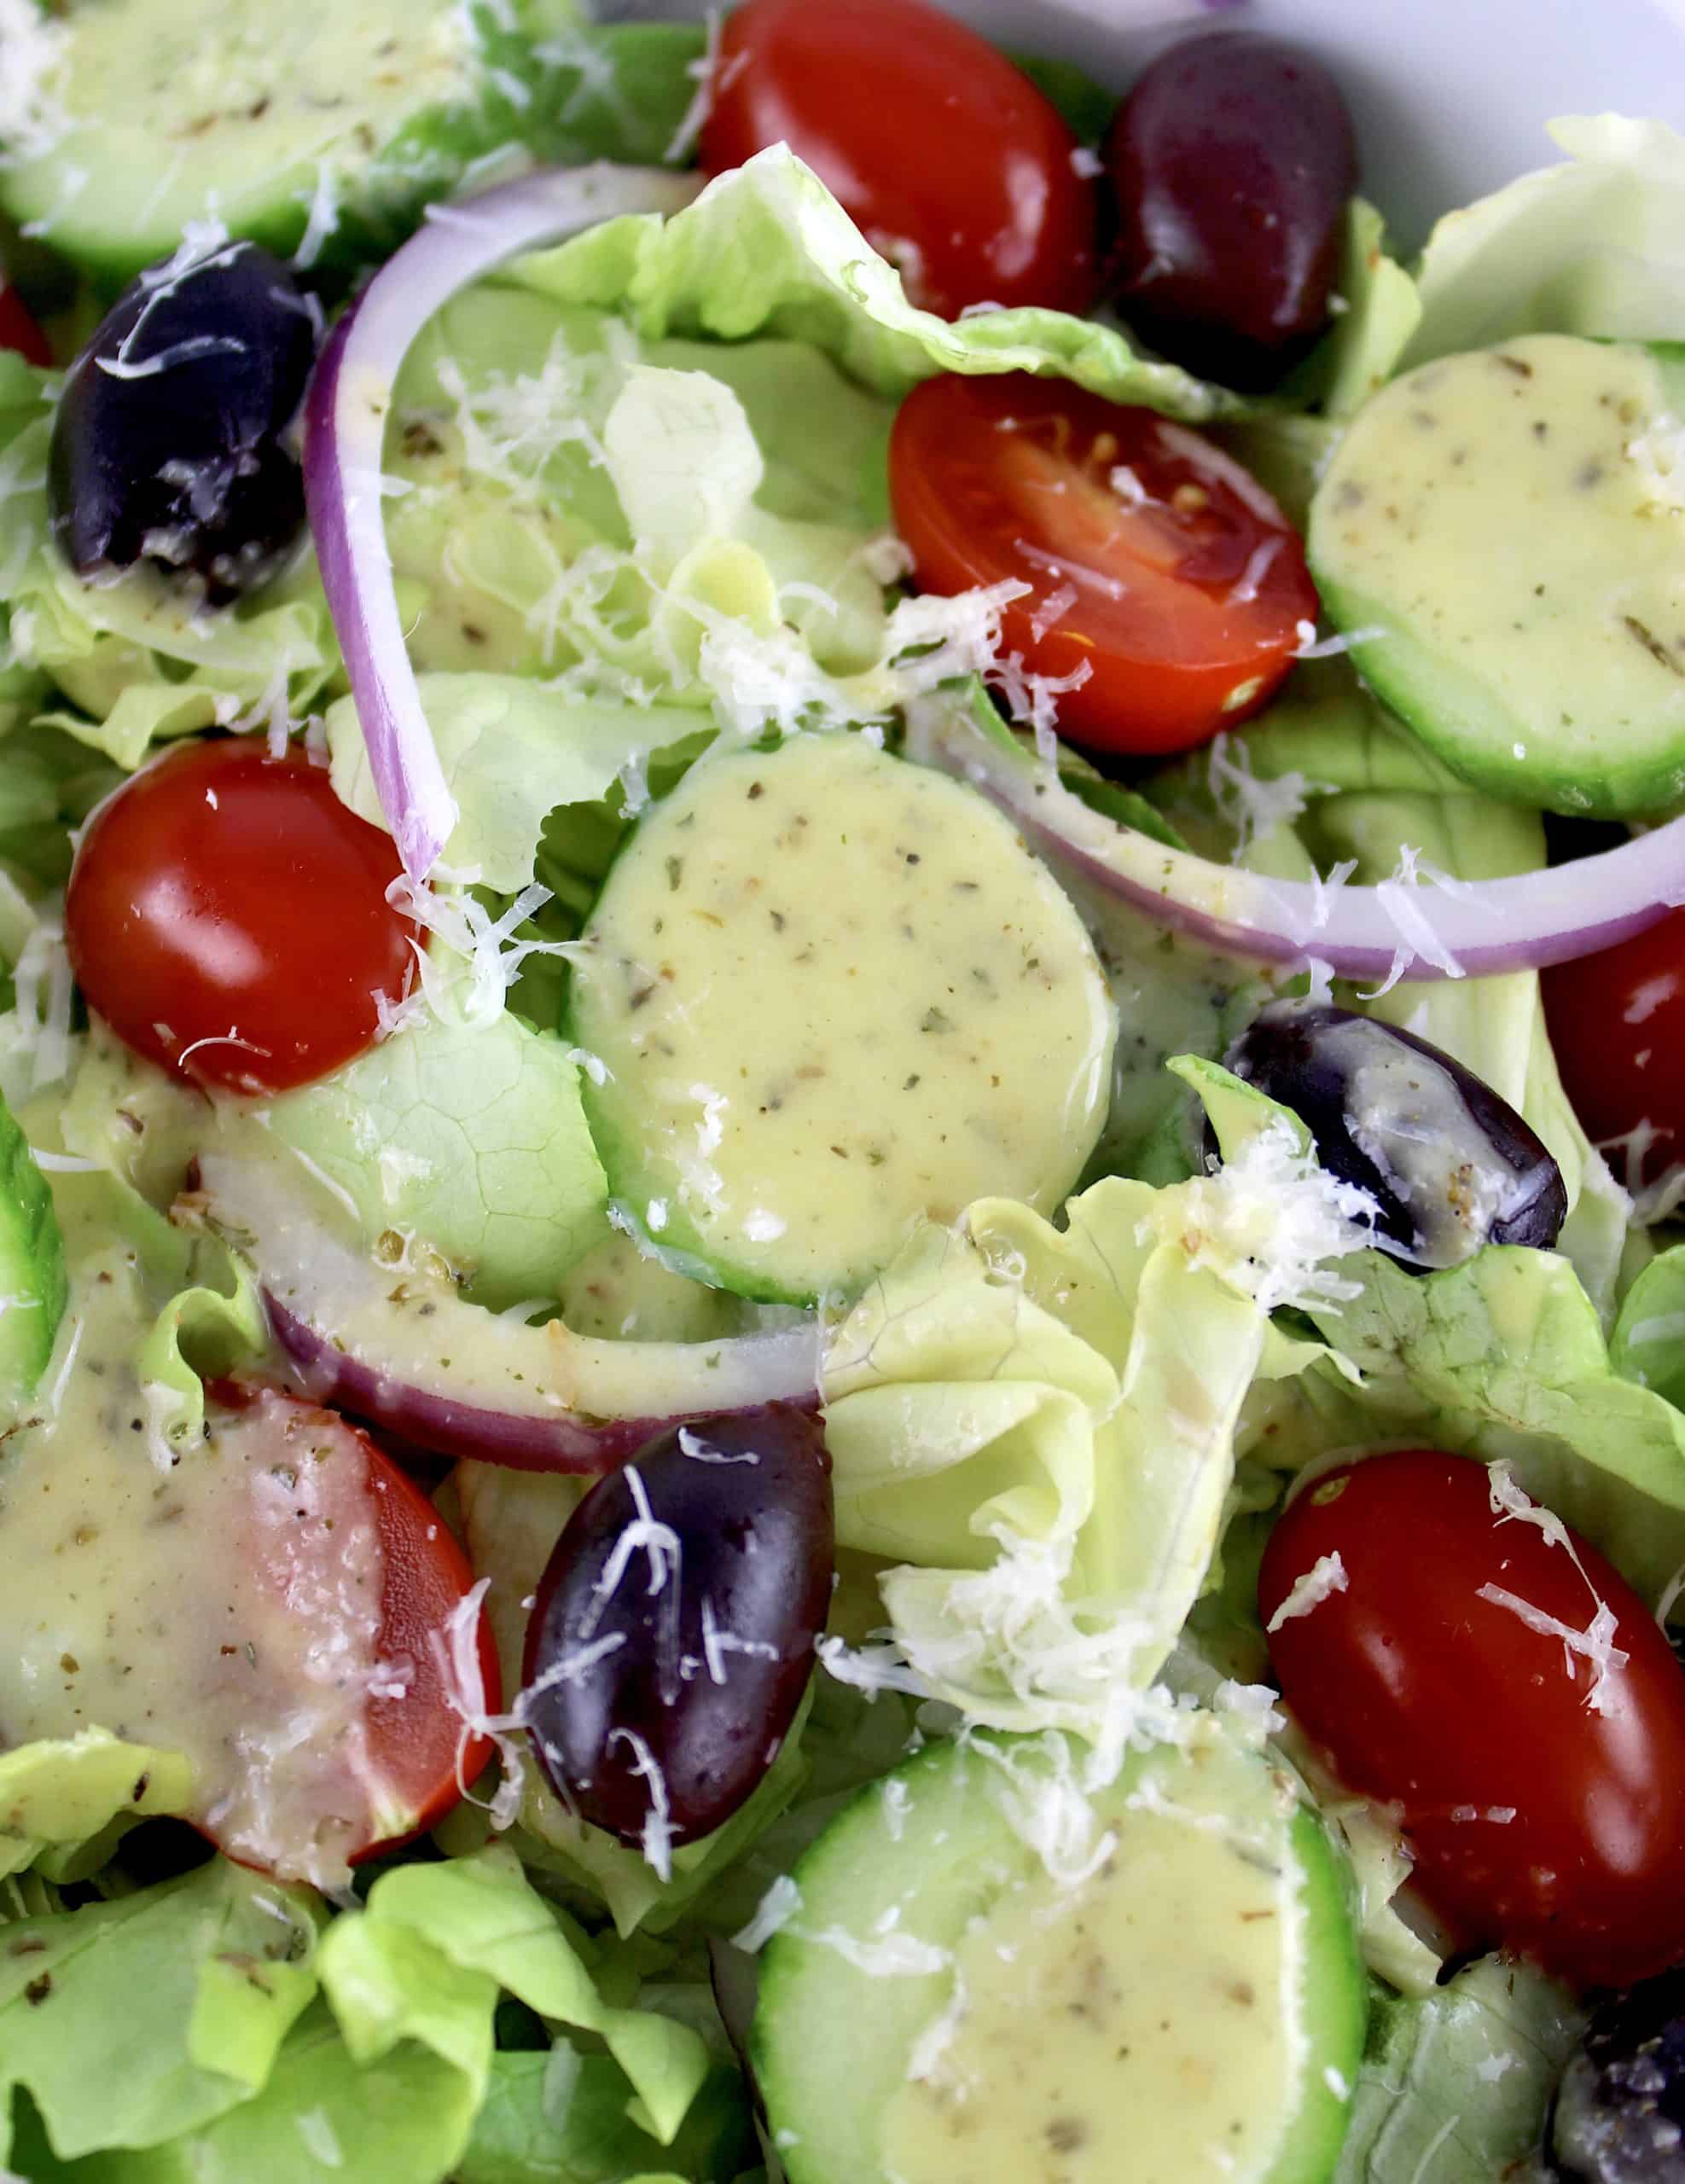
(766, 249)
(470, 1136)
(1595, 245)
(1647, 1345)
(1455, 2084)
(1381, 312)
(131, 2022)
(65, 1804)
(1038, 1426)
(561, 2118)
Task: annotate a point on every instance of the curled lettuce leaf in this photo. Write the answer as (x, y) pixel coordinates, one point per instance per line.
(64, 1804)
(1595, 245)
(132, 2022)
(767, 249)
(469, 1137)
(1380, 312)
(561, 2118)
(1038, 1425)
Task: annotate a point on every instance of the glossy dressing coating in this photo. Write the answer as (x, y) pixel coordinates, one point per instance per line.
(1145, 2024)
(227, 1606)
(1517, 512)
(833, 993)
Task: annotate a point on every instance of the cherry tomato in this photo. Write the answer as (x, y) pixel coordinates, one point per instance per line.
(1617, 1021)
(1543, 1799)
(228, 917)
(1157, 567)
(422, 1753)
(947, 158)
(19, 331)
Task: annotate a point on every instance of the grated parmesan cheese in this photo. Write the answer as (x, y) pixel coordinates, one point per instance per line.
(775, 1911)
(1325, 1577)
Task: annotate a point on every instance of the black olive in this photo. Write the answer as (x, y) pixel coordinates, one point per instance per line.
(1449, 1163)
(173, 443)
(671, 1637)
(1619, 2113)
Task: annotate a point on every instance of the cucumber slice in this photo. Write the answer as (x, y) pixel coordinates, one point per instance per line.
(32, 1286)
(831, 993)
(1505, 527)
(941, 2010)
(321, 127)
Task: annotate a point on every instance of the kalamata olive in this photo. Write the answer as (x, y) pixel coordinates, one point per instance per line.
(1619, 2116)
(672, 1633)
(1232, 160)
(172, 444)
(1450, 1164)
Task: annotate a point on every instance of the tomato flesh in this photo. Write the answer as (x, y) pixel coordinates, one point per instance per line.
(228, 916)
(947, 158)
(1617, 1022)
(1159, 574)
(19, 331)
(419, 1747)
(1539, 1821)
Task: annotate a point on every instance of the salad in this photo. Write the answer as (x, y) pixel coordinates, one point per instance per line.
(842, 1329)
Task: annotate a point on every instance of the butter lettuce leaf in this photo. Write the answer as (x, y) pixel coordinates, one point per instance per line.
(470, 1137)
(1455, 2083)
(1037, 1426)
(131, 2022)
(65, 1804)
(561, 2118)
(767, 249)
(1594, 246)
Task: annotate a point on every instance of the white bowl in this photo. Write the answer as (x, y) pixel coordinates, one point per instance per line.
(1450, 96)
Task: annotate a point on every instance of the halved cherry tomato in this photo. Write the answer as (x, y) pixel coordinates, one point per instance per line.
(947, 158)
(19, 331)
(1543, 1797)
(1617, 1021)
(1155, 562)
(228, 916)
(418, 1745)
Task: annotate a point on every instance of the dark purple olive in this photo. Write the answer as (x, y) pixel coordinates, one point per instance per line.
(1450, 1164)
(672, 1634)
(1620, 2115)
(173, 444)
(1231, 161)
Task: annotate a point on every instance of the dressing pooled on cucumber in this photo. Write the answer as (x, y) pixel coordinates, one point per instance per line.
(902, 1012)
(1501, 534)
(321, 129)
(1185, 2003)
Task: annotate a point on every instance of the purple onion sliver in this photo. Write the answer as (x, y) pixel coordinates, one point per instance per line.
(345, 417)
(1525, 922)
(448, 1427)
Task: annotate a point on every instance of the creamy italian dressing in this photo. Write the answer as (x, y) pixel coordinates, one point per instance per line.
(1146, 2024)
(227, 1606)
(834, 994)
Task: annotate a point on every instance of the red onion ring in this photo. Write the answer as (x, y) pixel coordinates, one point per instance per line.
(1469, 929)
(399, 1347)
(345, 415)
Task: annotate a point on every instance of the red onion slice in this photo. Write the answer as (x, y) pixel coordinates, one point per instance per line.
(399, 1347)
(1415, 931)
(345, 415)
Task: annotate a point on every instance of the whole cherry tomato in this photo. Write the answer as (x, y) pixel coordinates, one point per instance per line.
(946, 156)
(1617, 1022)
(1161, 577)
(1505, 1690)
(228, 916)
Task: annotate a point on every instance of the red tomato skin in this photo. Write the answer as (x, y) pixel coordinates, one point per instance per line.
(1186, 613)
(1449, 1707)
(925, 135)
(1617, 1022)
(427, 1756)
(223, 894)
(18, 329)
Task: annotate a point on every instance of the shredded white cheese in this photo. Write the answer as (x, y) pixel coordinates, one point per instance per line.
(1325, 1577)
